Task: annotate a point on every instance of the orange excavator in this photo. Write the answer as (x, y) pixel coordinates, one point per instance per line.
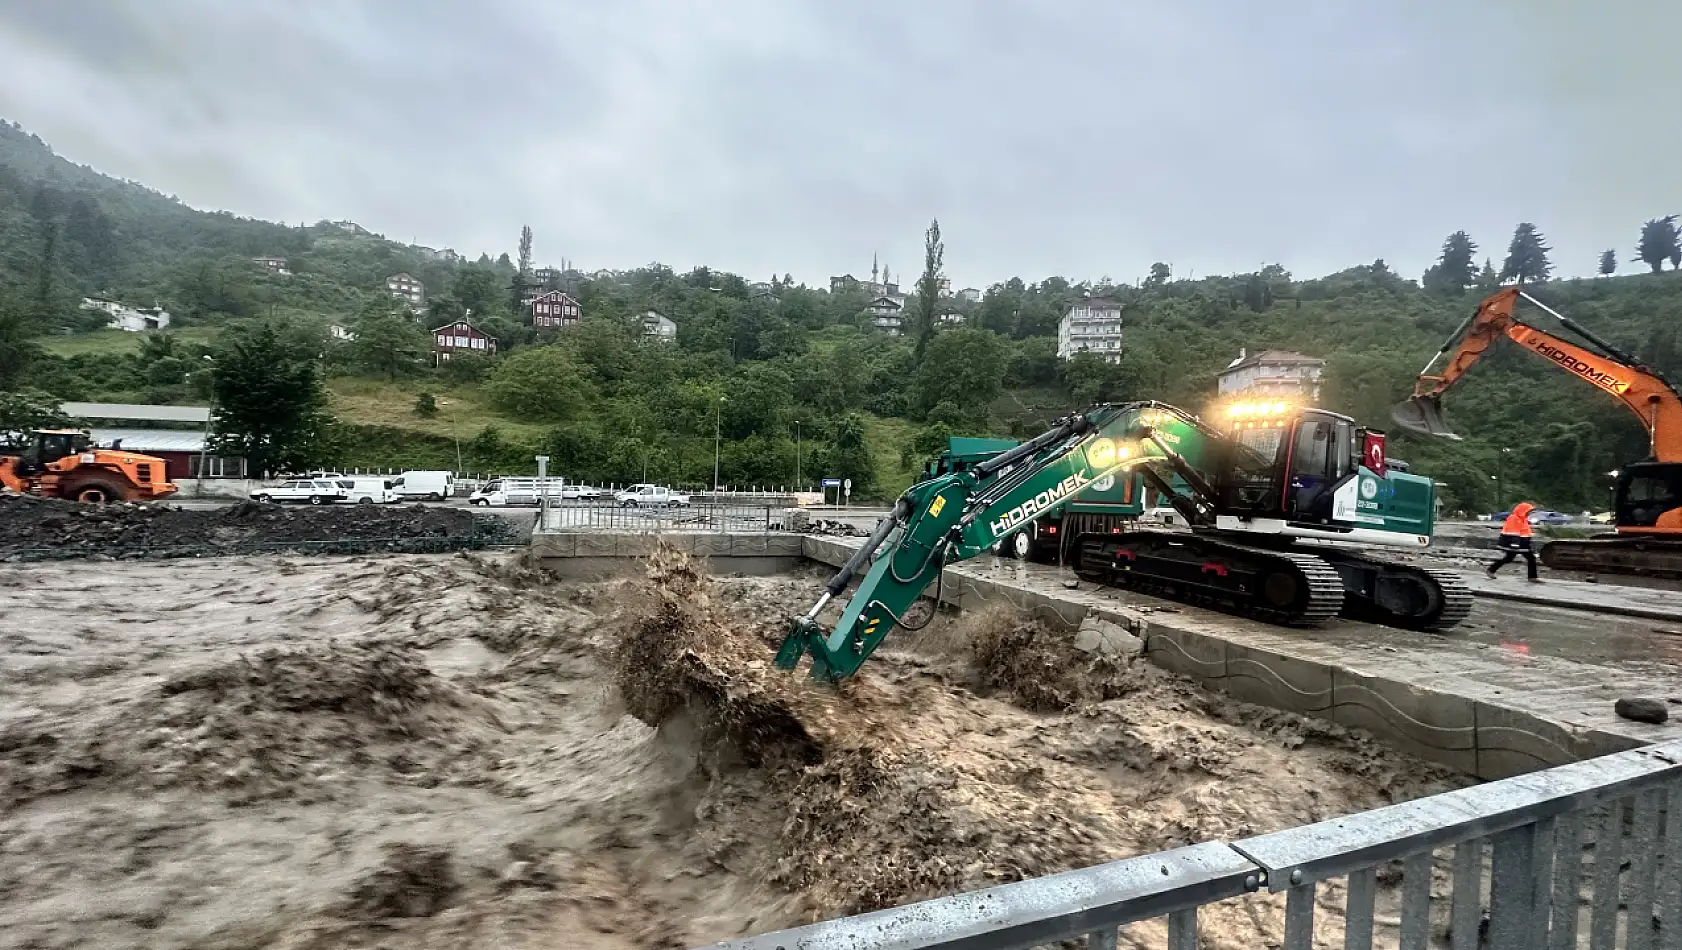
(1647, 506)
(64, 463)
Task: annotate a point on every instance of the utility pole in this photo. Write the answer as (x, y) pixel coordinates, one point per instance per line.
(718, 416)
(204, 448)
(797, 455)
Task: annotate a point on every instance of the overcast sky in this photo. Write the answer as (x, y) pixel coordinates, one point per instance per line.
(760, 136)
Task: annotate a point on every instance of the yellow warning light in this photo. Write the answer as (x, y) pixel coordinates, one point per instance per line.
(1279, 408)
(1101, 453)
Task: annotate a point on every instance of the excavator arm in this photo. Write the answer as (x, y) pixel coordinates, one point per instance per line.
(1641, 390)
(960, 515)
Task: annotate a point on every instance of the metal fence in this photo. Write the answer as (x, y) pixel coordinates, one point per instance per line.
(1514, 852)
(697, 516)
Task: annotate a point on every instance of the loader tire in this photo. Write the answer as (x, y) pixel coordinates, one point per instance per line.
(98, 489)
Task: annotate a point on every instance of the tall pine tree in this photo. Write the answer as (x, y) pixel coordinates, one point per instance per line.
(1608, 262)
(1659, 242)
(1527, 256)
(1454, 270)
(928, 287)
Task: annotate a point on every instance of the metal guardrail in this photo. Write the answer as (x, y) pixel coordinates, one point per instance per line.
(700, 516)
(1526, 835)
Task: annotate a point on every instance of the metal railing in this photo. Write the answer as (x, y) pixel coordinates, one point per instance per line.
(609, 516)
(1526, 836)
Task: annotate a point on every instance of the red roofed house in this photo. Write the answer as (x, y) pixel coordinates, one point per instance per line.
(555, 309)
(461, 337)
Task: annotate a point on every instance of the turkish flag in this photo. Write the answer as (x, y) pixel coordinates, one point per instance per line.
(1372, 452)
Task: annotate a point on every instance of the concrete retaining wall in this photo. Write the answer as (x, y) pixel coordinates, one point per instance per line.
(1436, 697)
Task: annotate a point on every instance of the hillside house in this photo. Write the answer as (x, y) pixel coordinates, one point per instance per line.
(972, 294)
(274, 265)
(339, 331)
(124, 317)
(658, 327)
(351, 227)
(555, 309)
(406, 288)
(460, 337)
(1091, 325)
(546, 277)
(1272, 373)
(887, 314)
(950, 318)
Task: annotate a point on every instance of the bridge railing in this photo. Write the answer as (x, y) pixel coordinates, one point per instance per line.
(1516, 849)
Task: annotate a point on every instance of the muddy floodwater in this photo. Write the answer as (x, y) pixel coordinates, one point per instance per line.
(429, 751)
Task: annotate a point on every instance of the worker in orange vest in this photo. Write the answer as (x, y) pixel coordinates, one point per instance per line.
(1515, 540)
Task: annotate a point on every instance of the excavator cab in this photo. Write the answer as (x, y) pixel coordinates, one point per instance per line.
(1649, 495)
(1285, 462)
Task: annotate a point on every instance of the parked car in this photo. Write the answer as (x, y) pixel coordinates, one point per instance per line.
(1548, 516)
(651, 496)
(310, 491)
(426, 486)
(580, 493)
(368, 491)
(1604, 517)
(499, 492)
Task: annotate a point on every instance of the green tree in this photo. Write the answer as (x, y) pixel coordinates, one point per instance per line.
(1159, 275)
(17, 347)
(964, 367)
(270, 405)
(1454, 270)
(389, 343)
(25, 410)
(1527, 256)
(426, 406)
(540, 383)
(1659, 242)
(1608, 262)
(928, 288)
(475, 287)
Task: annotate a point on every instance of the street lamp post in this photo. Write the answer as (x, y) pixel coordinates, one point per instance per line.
(718, 416)
(1500, 469)
(797, 455)
(455, 430)
(204, 447)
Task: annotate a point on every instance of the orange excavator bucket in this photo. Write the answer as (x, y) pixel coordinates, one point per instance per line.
(1423, 414)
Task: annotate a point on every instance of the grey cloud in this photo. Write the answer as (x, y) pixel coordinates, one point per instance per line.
(1079, 138)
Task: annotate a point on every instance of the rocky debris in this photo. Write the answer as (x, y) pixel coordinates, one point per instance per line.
(47, 529)
(414, 881)
(836, 529)
(1638, 709)
(1106, 638)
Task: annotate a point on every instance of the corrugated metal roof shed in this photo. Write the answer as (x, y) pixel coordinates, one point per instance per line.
(151, 440)
(136, 413)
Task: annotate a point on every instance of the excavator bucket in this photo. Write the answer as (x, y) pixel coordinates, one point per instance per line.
(1423, 414)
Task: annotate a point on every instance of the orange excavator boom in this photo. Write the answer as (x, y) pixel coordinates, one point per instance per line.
(1640, 389)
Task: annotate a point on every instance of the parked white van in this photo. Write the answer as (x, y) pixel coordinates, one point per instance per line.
(368, 491)
(426, 486)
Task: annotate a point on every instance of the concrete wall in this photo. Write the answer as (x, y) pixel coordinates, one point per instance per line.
(596, 555)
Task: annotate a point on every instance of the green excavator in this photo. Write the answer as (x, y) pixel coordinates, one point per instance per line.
(1283, 503)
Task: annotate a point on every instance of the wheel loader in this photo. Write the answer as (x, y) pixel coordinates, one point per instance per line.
(64, 463)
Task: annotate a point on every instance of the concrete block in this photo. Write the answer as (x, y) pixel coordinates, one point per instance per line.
(1200, 657)
(783, 545)
(1104, 638)
(748, 545)
(596, 545)
(642, 545)
(1273, 679)
(711, 545)
(1433, 724)
(1516, 741)
(554, 545)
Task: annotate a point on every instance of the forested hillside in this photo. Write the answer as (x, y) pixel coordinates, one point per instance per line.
(764, 368)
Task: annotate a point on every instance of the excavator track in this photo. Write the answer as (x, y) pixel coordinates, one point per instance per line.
(1396, 594)
(1284, 587)
(1614, 554)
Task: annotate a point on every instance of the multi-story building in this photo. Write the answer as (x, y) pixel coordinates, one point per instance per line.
(1272, 373)
(124, 317)
(461, 337)
(1091, 325)
(274, 265)
(555, 309)
(406, 288)
(545, 277)
(972, 294)
(658, 327)
(887, 314)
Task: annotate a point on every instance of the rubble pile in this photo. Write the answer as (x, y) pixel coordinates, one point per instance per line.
(49, 529)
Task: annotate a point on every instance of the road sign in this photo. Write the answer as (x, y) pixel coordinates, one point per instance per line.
(832, 483)
(848, 485)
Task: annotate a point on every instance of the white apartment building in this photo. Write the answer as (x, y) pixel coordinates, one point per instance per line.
(1092, 324)
(1272, 373)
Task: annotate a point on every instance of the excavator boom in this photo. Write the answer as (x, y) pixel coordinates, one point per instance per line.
(1640, 390)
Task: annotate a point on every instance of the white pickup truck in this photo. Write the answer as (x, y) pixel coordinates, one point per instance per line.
(651, 496)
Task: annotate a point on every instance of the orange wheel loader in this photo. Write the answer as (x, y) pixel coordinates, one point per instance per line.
(63, 463)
